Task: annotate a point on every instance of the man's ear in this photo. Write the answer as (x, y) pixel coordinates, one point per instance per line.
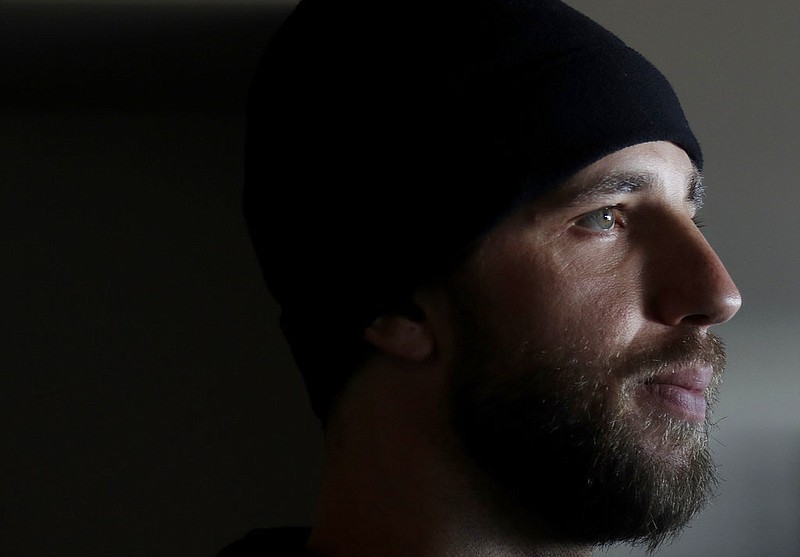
(406, 336)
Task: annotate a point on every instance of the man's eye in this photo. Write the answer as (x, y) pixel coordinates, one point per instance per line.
(601, 219)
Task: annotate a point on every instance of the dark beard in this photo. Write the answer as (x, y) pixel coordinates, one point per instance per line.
(563, 448)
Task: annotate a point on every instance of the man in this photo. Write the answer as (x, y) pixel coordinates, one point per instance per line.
(479, 218)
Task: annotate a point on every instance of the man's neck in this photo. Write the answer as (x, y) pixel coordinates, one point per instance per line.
(395, 484)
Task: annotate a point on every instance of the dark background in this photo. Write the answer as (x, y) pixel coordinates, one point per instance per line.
(143, 380)
(148, 404)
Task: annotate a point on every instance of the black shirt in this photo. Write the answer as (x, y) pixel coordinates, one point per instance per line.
(270, 542)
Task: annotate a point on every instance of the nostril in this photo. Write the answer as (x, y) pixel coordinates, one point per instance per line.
(697, 319)
(719, 310)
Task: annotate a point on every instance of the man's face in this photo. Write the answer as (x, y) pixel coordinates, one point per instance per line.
(586, 369)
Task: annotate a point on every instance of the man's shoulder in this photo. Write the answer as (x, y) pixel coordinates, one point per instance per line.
(270, 542)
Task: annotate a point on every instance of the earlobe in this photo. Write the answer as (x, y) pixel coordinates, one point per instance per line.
(401, 336)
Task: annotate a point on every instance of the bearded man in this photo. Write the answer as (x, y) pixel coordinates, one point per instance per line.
(479, 218)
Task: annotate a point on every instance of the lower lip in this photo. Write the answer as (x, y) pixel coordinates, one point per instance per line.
(683, 403)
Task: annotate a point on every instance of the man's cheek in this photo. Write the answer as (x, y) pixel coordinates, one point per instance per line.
(605, 314)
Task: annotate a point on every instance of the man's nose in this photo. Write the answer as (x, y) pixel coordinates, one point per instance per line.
(690, 285)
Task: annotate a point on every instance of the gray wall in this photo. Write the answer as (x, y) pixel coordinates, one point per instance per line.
(149, 405)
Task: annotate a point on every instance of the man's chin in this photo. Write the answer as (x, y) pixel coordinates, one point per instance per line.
(669, 436)
(598, 478)
(600, 450)
(675, 443)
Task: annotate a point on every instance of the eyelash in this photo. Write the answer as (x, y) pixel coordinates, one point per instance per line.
(619, 221)
(584, 220)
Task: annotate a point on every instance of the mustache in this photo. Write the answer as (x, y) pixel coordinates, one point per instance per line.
(693, 349)
(637, 364)
(569, 368)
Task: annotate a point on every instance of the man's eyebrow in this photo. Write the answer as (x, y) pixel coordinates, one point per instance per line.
(697, 190)
(618, 183)
(615, 183)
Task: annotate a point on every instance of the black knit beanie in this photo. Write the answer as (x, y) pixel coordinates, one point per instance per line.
(385, 137)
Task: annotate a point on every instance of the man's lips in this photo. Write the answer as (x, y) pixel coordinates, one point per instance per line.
(681, 391)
